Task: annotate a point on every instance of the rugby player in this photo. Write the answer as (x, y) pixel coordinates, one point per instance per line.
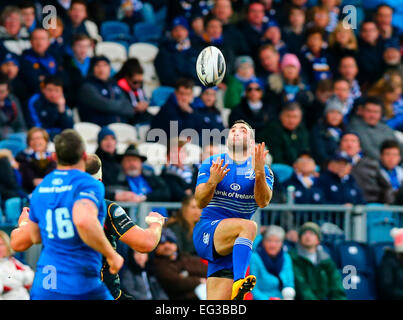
(230, 188)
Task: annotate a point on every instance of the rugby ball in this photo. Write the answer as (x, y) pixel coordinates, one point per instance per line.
(210, 66)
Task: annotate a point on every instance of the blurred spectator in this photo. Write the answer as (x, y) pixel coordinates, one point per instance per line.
(15, 277)
(77, 22)
(58, 46)
(37, 62)
(100, 100)
(272, 35)
(244, 72)
(28, 12)
(178, 273)
(284, 10)
(315, 58)
(253, 109)
(48, 109)
(366, 171)
(342, 42)
(77, 66)
(210, 150)
(287, 86)
(269, 62)
(130, 79)
(348, 69)
(392, 58)
(333, 7)
(316, 274)
(177, 55)
(293, 33)
(223, 10)
(272, 266)
(133, 11)
(196, 27)
(253, 26)
(135, 183)
(319, 18)
(304, 180)
(11, 117)
(369, 56)
(342, 96)
(369, 127)
(389, 272)
(106, 151)
(11, 27)
(323, 92)
(35, 162)
(208, 111)
(288, 137)
(337, 183)
(183, 222)
(325, 136)
(390, 160)
(178, 109)
(9, 187)
(180, 177)
(138, 280)
(10, 67)
(383, 20)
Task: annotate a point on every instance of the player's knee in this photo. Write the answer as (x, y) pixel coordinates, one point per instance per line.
(250, 229)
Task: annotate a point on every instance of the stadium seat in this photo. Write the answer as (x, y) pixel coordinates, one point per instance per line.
(144, 52)
(13, 145)
(379, 224)
(12, 210)
(378, 249)
(282, 171)
(19, 136)
(193, 153)
(89, 131)
(356, 254)
(115, 31)
(147, 32)
(363, 287)
(156, 154)
(161, 95)
(115, 52)
(153, 109)
(142, 131)
(126, 134)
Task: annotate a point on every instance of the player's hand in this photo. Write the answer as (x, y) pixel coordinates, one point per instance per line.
(259, 158)
(155, 217)
(218, 171)
(24, 217)
(115, 263)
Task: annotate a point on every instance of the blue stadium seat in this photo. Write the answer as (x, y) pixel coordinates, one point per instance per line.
(115, 31)
(364, 287)
(378, 250)
(14, 146)
(379, 224)
(160, 95)
(147, 32)
(282, 171)
(12, 209)
(356, 254)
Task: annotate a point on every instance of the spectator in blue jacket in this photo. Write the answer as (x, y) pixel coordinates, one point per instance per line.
(305, 181)
(177, 56)
(37, 63)
(272, 266)
(100, 100)
(208, 111)
(48, 109)
(337, 183)
(390, 159)
(178, 108)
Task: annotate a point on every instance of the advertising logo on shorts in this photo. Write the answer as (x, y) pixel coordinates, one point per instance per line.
(235, 186)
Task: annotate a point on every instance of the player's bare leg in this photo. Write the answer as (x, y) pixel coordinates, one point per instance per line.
(219, 288)
(228, 233)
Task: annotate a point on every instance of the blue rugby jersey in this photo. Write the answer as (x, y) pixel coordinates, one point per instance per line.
(234, 195)
(76, 265)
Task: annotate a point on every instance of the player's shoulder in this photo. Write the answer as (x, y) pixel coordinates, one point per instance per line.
(113, 209)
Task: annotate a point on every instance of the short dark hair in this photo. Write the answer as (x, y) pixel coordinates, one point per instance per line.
(92, 164)
(246, 124)
(314, 30)
(38, 29)
(291, 106)
(373, 100)
(70, 147)
(339, 79)
(324, 85)
(55, 80)
(389, 144)
(27, 4)
(83, 2)
(80, 37)
(131, 67)
(185, 83)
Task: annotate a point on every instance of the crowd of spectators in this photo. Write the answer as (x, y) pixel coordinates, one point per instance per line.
(324, 95)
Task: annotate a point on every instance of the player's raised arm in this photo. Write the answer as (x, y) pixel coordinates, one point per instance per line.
(262, 191)
(205, 191)
(85, 218)
(20, 237)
